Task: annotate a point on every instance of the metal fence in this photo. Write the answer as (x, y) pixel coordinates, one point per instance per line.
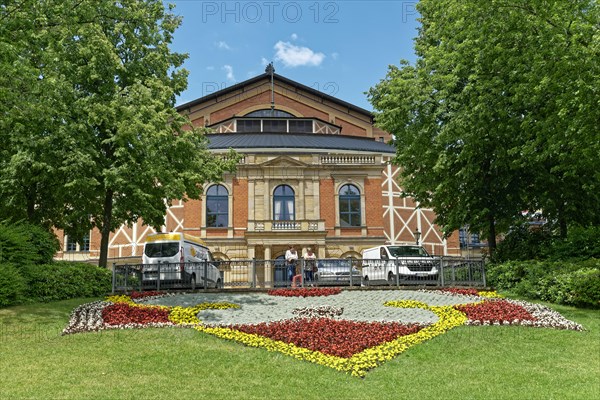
(436, 272)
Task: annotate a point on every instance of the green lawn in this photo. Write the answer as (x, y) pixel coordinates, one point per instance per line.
(177, 363)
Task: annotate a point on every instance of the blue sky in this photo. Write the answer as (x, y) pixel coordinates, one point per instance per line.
(341, 48)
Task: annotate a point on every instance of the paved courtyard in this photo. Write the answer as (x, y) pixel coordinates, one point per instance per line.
(363, 305)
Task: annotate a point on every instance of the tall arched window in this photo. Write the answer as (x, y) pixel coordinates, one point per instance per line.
(283, 203)
(349, 206)
(217, 207)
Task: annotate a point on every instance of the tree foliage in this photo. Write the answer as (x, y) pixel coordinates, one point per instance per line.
(95, 140)
(500, 112)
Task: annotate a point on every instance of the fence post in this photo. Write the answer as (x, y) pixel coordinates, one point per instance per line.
(114, 277)
(253, 284)
(483, 272)
(205, 267)
(126, 278)
(350, 267)
(442, 271)
(158, 278)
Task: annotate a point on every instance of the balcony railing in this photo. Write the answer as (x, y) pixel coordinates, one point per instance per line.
(286, 226)
(348, 160)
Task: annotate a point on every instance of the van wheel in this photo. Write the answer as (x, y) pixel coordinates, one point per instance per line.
(391, 278)
(193, 282)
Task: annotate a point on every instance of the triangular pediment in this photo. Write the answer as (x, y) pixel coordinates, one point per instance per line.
(288, 87)
(283, 161)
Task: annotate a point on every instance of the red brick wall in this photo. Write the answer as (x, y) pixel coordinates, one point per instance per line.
(374, 207)
(265, 99)
(193, 214)
(240, 206)
(350, 129)
(327, 204)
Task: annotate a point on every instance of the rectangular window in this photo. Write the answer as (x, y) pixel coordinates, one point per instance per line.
(217, 212)
(350, 212)
(85, 243)
(71, 244)
(301, 126)
(248, 125)
(274, 125)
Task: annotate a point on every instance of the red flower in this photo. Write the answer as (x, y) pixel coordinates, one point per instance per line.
(496, 311)
(339, 338)
(304, 292)
(123, 313)
(141, 295)
(466, 292)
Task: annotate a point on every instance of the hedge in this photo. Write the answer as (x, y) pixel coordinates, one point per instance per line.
(25, 244)
(65, 280)
(573, 283)
(12, 285)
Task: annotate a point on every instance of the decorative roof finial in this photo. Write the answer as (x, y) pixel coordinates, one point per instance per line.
(270, 69)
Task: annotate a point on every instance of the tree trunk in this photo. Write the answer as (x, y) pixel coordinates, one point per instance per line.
(562, 221)
(491, 234)
(106, 228)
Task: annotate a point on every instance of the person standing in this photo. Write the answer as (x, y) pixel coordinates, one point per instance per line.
(309, 266)
(291, 259)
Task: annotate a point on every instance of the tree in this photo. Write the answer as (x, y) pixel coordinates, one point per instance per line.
(34, 105)
(473, 117)
(124, 150)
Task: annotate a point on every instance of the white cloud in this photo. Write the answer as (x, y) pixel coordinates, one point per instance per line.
(229, 70)
(223, 45)
(264, 62)
(294, 36)
(296, 56)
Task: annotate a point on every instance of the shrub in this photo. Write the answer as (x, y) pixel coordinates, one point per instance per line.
(65, 280)
(12, 285)
(573, 283)
(523, 243)
(581, 243)
(25, 244)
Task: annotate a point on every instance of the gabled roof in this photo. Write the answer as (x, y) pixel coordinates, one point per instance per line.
(240, 141)
(276, 78)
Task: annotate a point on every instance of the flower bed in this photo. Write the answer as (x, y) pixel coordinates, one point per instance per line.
(123, 314)
(499, 311)
(464, 292)
(333, 337)
(316, 333)
(141, 295)
(304, 292)
(318, 312)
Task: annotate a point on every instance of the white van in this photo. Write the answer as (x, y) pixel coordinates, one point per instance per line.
(181, 258)
(412, 263)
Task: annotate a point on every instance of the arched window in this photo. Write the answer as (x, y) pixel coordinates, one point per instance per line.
(269, 113)
(217, 207)
(283, 203)
(349, 206)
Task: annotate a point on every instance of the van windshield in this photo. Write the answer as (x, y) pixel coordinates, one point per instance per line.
(407, 251)
(168, 249)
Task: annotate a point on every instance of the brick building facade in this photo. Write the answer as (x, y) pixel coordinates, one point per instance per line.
(315, 172)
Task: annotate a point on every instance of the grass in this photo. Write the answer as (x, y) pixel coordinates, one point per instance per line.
(465, 363)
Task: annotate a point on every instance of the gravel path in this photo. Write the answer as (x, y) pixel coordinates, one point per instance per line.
(357, 305)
